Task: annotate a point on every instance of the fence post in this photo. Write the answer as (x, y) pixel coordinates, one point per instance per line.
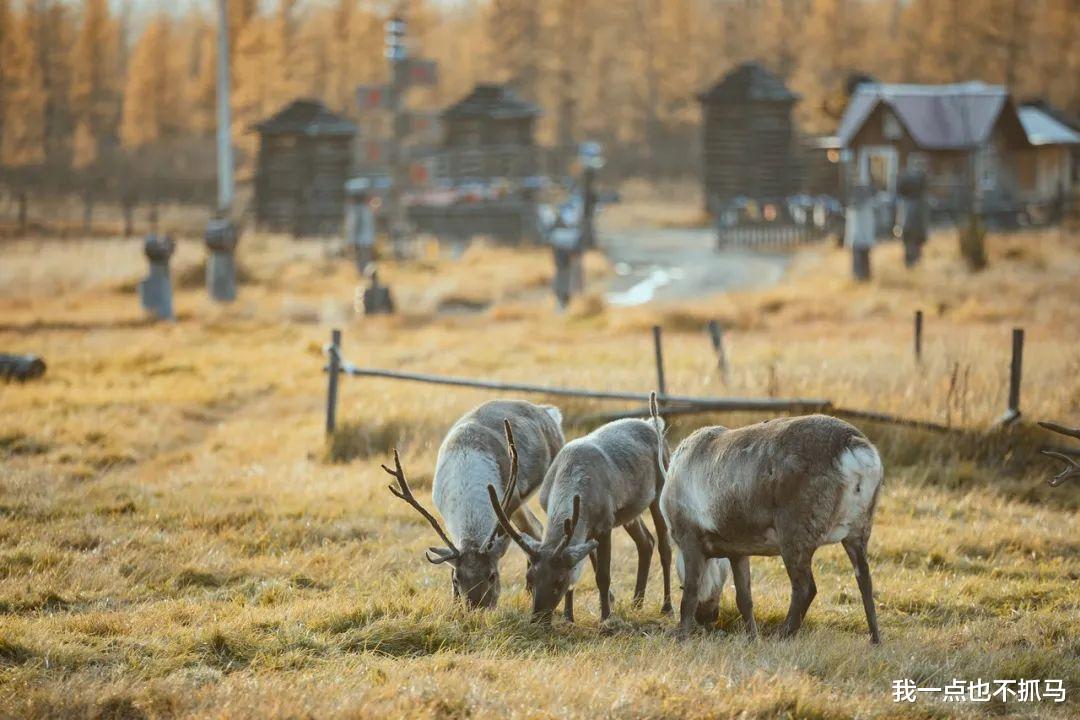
(918, 335)
(716, 333)
(1013, 413)
(333, 369)
(661, 386)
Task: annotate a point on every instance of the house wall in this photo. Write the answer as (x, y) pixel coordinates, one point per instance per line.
(1042, 172)
(749, 150)
(300, 183)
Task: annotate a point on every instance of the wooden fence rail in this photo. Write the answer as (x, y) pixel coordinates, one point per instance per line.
(672, 404)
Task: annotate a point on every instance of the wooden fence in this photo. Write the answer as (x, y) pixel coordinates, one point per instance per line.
(670, 404)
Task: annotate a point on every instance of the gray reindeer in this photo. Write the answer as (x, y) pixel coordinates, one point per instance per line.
(476, 455)
(596, 483)
(783, 487)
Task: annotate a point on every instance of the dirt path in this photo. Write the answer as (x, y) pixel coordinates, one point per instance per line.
(680, 263)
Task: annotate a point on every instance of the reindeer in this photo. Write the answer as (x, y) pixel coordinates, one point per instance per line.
(1072, 468)
(598, 482)
(782, 487)
(485, 446)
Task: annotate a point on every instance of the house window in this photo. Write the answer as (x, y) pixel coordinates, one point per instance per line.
(918, 162)
(890, 126)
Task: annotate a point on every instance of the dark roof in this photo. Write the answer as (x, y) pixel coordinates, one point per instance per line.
(306, 117)
(938, 117)
(749, 81)
(494, 101)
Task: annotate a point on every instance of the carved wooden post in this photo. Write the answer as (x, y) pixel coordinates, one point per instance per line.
(221, 266)
(155, 292)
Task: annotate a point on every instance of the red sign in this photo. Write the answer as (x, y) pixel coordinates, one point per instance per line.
(370, 97)
(423, 72)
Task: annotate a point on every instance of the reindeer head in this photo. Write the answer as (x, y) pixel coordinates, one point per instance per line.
(474, 567)
(552, 570)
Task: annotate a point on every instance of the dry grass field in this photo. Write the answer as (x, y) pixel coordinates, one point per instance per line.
(178, 538)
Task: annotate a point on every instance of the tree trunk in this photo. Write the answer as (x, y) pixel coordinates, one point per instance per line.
(129, 219)
(88, 211)
(24, 220)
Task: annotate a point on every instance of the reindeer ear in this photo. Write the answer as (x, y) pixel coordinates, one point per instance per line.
(439, 555)
(577, 553)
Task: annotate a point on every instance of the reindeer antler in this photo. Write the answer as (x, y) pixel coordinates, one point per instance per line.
(505, 523)
(404, 492)
(511, 484)
(1072, 468)
(569, 525)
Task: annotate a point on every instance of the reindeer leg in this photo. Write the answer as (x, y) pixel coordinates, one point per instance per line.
(665, 552)
(644, 541)
(799, 566)
(693, 569)
(740, 573)
(592, 561)
(603, 574)
(568, 605)
(856, 551)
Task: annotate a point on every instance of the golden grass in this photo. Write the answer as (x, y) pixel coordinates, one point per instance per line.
(176, 537)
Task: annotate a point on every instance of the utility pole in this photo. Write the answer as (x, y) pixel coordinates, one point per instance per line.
(397, 55)
(221, 234)
(224, 115)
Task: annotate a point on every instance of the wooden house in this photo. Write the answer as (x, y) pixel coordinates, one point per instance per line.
(748, 137)
(488, 134)
(1049, 167)
(966, 138)
(304, 160)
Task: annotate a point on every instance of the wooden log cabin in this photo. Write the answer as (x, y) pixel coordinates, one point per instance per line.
(304, 160)
(748, 137)
(488, 134)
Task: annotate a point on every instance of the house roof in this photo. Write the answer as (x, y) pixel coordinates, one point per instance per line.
(748, 81)
(1042, 128)
(938, 117)
(492, 101)
(306, 117)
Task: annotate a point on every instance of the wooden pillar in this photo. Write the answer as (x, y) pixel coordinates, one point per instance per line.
(333, 369)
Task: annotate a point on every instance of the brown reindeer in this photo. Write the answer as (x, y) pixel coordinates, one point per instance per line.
(783, 487)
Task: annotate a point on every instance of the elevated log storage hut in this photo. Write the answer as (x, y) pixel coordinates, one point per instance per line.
(748, 138)
(489, 134)
(305, 157)
(490, 156)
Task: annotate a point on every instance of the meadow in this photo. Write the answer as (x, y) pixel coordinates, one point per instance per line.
(178, 537)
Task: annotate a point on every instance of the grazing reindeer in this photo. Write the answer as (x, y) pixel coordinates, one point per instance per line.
(1072, 468)
(783, 487)
(605, 479)
(485, 446)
